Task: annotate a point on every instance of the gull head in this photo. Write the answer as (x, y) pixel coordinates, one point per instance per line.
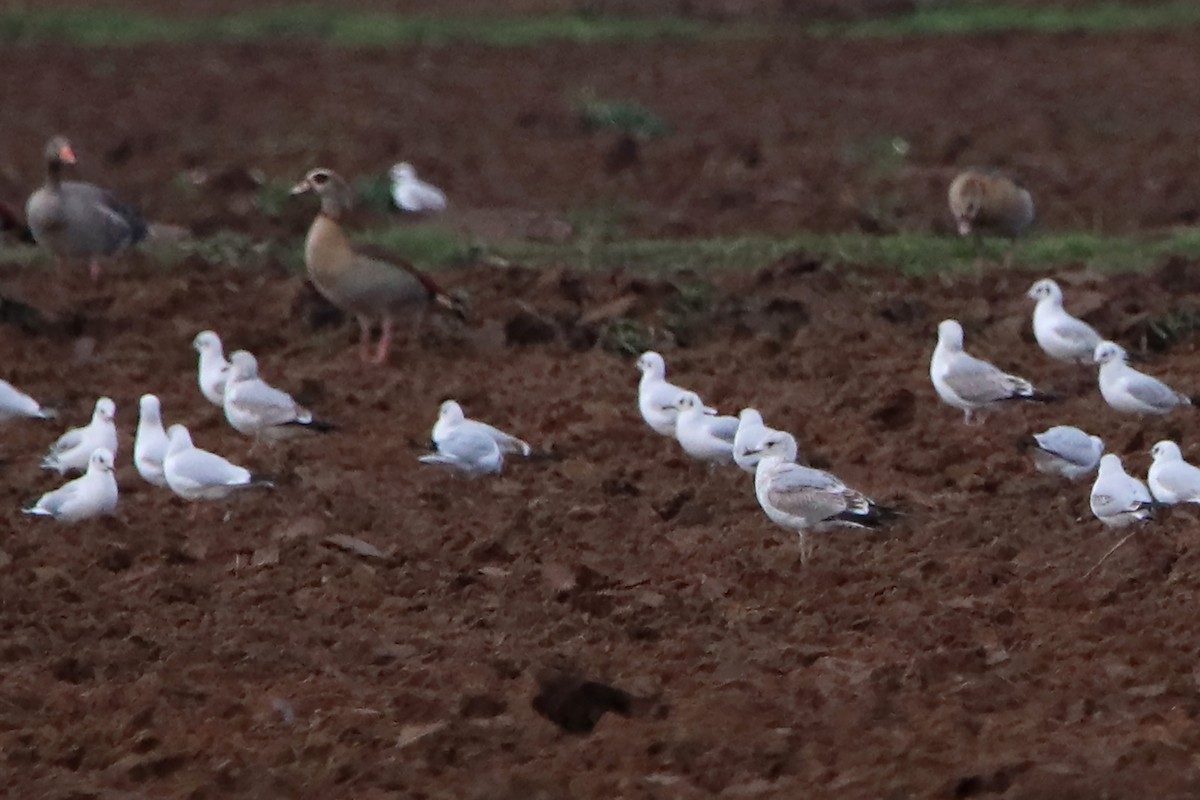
(950, 334)
(782, 446)
(243, 366)
(1107, 352)
(651, 363)
(688, 401)
(1045, 289)
(1110, 464)
(451, 411)
(179, 438)
(101, 460)
(402, 172)
(750, 416)
(207, 342)
(105, 411)
(149, 407)
(1166, 450)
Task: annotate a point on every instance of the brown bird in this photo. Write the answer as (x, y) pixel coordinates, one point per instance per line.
(986, 201)
(78, 220)
(368, 288)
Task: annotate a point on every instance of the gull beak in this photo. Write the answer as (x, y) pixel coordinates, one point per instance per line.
(301, 187)
(712, 412)
(66, 155)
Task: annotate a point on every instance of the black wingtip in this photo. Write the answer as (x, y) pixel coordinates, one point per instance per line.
(314, 425)
(1041, 397)
(876, 516)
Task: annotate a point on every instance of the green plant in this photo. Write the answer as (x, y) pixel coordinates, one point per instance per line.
(623, 116)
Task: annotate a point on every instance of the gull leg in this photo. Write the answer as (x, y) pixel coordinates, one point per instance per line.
(385, 342)
(364, 338)
(94, 269)
(806, 548)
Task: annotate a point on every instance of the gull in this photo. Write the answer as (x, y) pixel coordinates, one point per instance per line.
(91, 495)
(410, 193)
(255, 408)
(751, 433)
(1061, 335)
(73, 450)
(1067, 451)
(656, 397)
(212, 370)
(15, 404)
(702, 436)
(1117, 499)
(1173, 480)
(468, 450)
(969, 383)
(1126, 389)
(196, 474)
(451, 418)
(150, 446)
(804, 499)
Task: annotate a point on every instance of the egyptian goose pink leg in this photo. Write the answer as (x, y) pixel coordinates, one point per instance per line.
(364, 339)
(385, 342)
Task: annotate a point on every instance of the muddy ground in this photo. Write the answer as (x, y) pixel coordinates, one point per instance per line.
(774, 136)
(959, 653)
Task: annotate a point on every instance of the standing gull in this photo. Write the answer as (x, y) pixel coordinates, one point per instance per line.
(1061, 335)
(1130, 391)
(91, 495)
(1173, 480)
(451, 418)
(803, 499)
(412, 194)
(702, 436)
(1117, 499)
(1067, 451)
(657, 398)
(15, 404)
(255, 408)
(212, 370)
(150, 446)
(196, 474)
(969, 383)
(74, 449)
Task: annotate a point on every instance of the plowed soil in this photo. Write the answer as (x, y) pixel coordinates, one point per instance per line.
(961, 651)
(773, 136)
(607, 619)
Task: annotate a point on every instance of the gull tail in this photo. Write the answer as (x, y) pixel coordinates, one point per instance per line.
(874, 516)
(260, 481)
(51, 462)
(36, 512)
(45, 413)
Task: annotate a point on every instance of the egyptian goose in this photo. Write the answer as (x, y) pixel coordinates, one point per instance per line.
(79, 220)
(366, 287)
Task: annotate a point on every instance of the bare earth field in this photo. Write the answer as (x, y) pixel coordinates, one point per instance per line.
(959, 653)
(768, 136)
